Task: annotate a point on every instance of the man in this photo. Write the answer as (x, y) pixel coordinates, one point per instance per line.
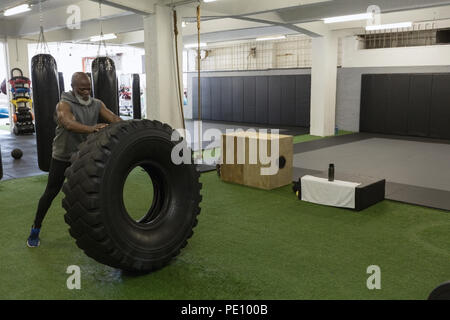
(77, 116)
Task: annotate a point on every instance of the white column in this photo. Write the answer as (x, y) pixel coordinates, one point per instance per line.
(323, 85)
(163, 102)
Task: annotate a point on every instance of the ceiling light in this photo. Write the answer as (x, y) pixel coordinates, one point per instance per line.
(16, 10)
(183, 24)
(108, 36)
(390, 26)
(271, 38)
(194, 45)
(208, 1)
(353, 17)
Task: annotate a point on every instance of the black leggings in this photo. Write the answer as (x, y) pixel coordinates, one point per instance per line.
(55, 182)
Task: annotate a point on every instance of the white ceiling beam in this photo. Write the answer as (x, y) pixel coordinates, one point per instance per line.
(246, 7)
(57, 18)
(142, 7)
(118, 25)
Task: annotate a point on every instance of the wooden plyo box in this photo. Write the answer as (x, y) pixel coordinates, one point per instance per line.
(238, 167)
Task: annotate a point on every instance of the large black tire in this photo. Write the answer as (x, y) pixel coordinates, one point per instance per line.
(442, 292)
(94, 203)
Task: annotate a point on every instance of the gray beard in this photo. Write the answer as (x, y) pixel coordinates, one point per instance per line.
(82, 101)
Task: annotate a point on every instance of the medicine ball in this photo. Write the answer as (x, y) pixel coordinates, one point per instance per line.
(17, 154)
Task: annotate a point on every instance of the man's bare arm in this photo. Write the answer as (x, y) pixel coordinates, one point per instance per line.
(108, 115)
(66, 118)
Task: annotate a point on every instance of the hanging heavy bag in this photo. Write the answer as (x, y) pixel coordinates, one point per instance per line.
(45, 81)
(104, 82)
(90, 79)
(61, 83)
(136, 94)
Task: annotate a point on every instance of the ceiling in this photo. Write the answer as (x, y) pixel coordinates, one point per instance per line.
(222, 20)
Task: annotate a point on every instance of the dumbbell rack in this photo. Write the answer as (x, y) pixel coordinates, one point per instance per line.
(21, 99)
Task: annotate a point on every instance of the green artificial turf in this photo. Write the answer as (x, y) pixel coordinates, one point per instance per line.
(308, 137)
(249, 244)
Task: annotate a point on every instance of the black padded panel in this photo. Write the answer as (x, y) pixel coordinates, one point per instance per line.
(262, 100)
(366, 102)
(378, 114)
(275, 100)
(440, 107)
(250, 99)
(417, 104)
(288, 104)
(227, 98)
(206, 98)
(420, 105)
(216, 103)
(195, 98)
(397, 113)
(302, 100)
(374, 102)
(238, 99)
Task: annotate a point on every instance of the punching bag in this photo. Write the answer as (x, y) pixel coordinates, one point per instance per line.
(136, 94)
(45, 82)
(104, 82)
(90, 79)
(61, 83)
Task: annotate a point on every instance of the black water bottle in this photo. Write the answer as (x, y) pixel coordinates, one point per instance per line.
(331, 172)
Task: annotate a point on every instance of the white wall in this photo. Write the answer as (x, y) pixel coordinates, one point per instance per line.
(353, 57)
(3, 73)
(69, 57)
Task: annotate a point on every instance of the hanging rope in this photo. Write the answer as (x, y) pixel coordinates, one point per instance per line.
(175, 28)
(199, 82)
(42, 45)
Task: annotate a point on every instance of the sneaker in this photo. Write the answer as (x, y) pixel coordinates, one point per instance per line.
(33, 240)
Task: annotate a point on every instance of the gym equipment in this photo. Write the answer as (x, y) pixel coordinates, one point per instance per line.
(105, 85)
(136, 96)
(4, 113)
(94, 204)
(297, 188)
(3, 87)
(92, 85)
(23, 116)
(46, 97)
(442, 292)
(16, 154)
(249, 174)
(61, 83)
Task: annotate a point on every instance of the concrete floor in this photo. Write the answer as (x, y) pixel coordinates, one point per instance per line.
(417, 171)
(27, 166)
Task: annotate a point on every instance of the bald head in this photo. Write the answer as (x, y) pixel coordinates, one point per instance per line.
(81, 85)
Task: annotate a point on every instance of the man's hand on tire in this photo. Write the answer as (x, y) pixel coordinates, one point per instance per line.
(99, 127)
